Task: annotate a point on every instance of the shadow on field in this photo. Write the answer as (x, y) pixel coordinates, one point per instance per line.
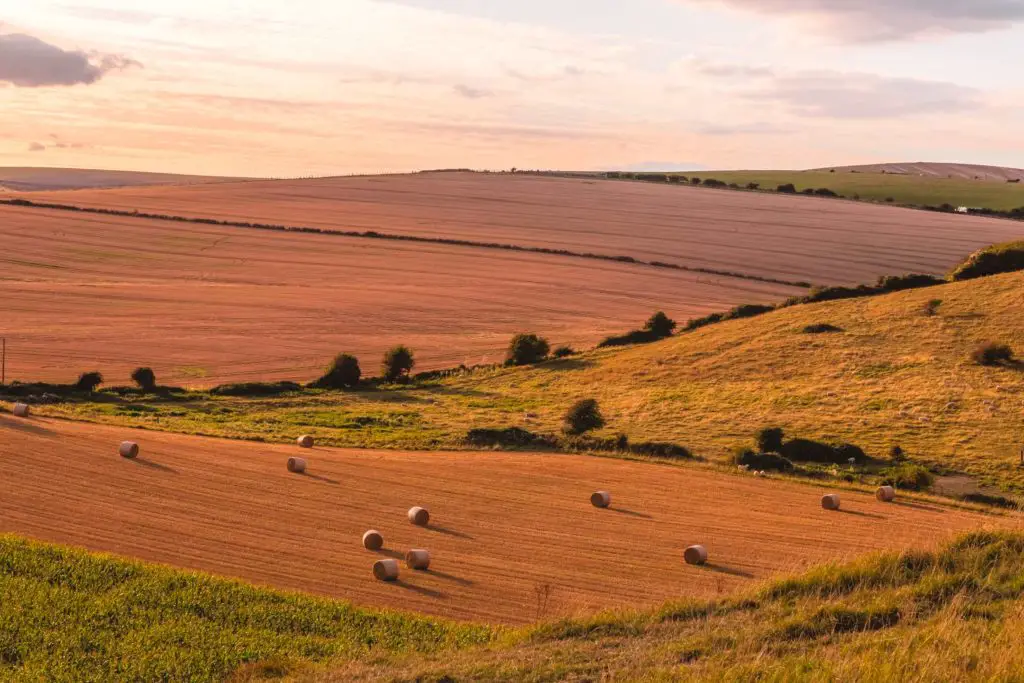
(430, 593)
(154, 465)
(449, 532)
(720, 569)
(325, 480)
(389, 396)
(23, 425)
(631, 513)
(449, 577)
(393, 554)
(858, 513)
(919, 506)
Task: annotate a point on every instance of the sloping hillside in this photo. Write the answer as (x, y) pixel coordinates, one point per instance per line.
(37, 179)
(894, 375)
(927, 169)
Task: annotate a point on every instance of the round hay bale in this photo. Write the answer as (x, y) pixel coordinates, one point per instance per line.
(419, 516)
(601, 499)
(696, 554)
(386, 570)
(418, 559)
(886, 494)
(129, 449)
(372, 540)
(830, 502)
(21, 410)
(296, 465)
(305, 441)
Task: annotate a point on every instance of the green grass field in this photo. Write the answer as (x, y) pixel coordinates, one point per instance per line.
(67, 615)
(955, 614)
(893, 376)
(877, 187)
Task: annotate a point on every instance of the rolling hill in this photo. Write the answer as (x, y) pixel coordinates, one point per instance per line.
(926, 169)
(791, 238)
(37, 179)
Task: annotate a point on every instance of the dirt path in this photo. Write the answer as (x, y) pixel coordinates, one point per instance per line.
(514, 536)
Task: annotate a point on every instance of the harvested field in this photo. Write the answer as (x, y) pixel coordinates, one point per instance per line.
(791, 238)
(513, 538)
(203, 305)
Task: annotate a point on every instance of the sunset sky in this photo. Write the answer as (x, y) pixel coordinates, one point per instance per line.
(311, 87)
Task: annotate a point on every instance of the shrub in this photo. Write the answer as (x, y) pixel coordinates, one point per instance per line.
(584, 416)
(805, 450)
(991, 353)
(769, 462)
(769, 440)
(896, 454)
(808, 190)
(342, 373)
(890, 200)
(988, 499)
(1000, 258)
(255, 389)
(89, 381)
(712, 182)
(660, 450)
(753, 186)
(899, 283)
(398, 364)
(660, 325)
(932, 307)
(825, 192)
(512, 436)
(145, 378)
(564, 352)
(908, 477)
(697, 323)
(695, 181)
(821, 328)
(845, 452)
(634, 337)
(525, 349)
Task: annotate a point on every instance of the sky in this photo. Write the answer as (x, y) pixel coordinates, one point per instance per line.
(324, 87)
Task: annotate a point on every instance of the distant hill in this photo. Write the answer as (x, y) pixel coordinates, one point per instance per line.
(936, 170)
(29, 179)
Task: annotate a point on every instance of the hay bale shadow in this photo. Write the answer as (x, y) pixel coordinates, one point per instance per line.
(393, 554)
(858, 513)
(919, 506)
(325, 480)
(27, 425)
(448, 532)
(428, 592)
(153, 465)
(722, 569)
(450, 577)
(631, 513)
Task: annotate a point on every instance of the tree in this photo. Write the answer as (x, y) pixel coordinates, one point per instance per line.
(398, 364)
(145, 378)
(342, 373)
(788, 188)
(584, 416)
(525, 349)
(89, 381)
(660, 325)
(769, 440)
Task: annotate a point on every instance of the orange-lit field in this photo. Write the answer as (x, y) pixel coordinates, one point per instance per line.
(794, 238)
(513, 536)
(204, 305)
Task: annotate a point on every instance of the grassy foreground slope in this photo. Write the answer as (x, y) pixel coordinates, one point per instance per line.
(894, 375)
(955, 614)
(67, 615)
(879, 187)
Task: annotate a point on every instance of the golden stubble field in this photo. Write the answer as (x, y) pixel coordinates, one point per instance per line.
(793, 238)
(514, 537)
(204, 305)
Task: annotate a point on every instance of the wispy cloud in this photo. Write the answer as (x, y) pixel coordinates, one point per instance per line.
(28, 62)
(881, 20)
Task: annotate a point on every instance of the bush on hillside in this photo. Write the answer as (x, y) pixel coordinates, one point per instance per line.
(788, 188)
(1000, 258)
(821, 328)
(908, 477)
(767, 462)
(899, 283)
(769, 440)
(825, 192)
(657, 449)
(256, 389)
(932, 307)
(753, 186)
(989, 499)
(991, 353)
(695, 181)
(145, 378)
(584, 416)
(398, 364)
(660, 325)
(89, 381)
(805, 450)
(512, 436)
(564, 352)
(712, 182)
(846, 452)
(526, 349)
(342, 373)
